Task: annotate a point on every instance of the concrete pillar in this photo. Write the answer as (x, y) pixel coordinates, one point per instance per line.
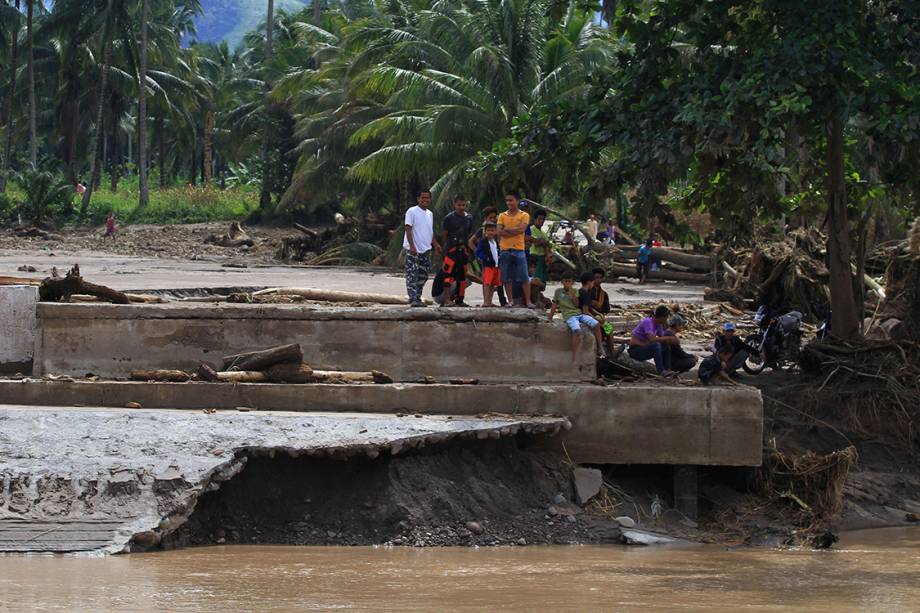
(686, 490)
(17, 327)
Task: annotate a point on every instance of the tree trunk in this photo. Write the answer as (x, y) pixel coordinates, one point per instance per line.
(173, 376)
(8, 148)
(115, 159)
(70, 121)
(194, 168)
(844, 314)
(143, 197)
(690, 260)
(100, 107)
(265, 196)
(208, 141)
(259, 360)
(317, 12)
(161, 153)
(626, 270)
(33, 136)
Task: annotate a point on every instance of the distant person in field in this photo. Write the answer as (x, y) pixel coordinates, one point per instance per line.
(418, 243)
(512, 227)
(592, 227)
(79, 188)
(644, 261)
(566, 300)
(110, 228)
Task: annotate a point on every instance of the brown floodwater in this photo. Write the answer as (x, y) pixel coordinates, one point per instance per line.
(871, 570)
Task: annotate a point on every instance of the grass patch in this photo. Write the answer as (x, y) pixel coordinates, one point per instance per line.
(170, 205)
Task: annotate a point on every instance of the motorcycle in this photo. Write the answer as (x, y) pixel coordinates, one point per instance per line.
(778, 342)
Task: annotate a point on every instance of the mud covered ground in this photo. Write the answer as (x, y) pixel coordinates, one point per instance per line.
(477, 493)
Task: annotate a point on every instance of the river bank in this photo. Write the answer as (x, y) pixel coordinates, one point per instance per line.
(869, 570)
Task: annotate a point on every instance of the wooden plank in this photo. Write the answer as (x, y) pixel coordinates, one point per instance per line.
(20, 547)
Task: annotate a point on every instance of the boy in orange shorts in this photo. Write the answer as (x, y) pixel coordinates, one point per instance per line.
(487, 253)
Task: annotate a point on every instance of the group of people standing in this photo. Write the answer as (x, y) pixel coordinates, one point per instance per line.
(508, 255)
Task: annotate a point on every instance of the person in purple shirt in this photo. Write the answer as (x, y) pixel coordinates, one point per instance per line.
(649, 341)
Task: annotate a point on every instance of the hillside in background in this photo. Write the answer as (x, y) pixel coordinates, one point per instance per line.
(230, 19)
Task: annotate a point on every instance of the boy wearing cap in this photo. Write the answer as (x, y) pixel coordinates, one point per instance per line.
(739, 350)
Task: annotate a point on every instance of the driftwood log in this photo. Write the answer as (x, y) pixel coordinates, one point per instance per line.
(175, 376)
(289, 373)
(329, 295)
(260, 360)
(19, 281)
(55, 288)
(702, 263)
(344, 376)
(625, 270)
(235, 237)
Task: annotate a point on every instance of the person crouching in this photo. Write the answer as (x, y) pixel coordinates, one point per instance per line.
(574, 307)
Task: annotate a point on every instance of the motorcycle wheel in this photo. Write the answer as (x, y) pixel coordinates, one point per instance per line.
(753, 365)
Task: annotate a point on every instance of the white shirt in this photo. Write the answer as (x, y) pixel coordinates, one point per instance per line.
(493, 247)
(422, 223)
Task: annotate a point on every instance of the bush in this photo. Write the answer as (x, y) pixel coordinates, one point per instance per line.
(46, 195)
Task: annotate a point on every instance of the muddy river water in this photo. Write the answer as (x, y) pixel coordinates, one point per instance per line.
(871, 570)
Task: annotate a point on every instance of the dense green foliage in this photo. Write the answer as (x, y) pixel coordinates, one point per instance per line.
(749, 110)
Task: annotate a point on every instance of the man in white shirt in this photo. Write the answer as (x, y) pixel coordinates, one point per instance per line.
(418, 243)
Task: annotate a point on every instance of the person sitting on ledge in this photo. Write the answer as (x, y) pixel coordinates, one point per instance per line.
(565, 300)
(648, 341)
(712, 368)
(681, 361)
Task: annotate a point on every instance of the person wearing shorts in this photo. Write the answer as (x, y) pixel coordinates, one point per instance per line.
(487, 253)
(512, 227)
(565, 301)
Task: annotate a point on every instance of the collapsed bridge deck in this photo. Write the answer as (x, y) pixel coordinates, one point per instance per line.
(94, 479)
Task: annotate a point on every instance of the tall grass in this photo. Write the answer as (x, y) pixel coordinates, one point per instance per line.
(170, 205)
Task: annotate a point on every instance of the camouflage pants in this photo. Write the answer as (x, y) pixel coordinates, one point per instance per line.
(417, 269)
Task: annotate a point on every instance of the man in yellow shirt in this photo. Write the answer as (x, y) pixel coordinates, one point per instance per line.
(512, 225)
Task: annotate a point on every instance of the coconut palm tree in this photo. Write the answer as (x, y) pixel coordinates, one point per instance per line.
(11, 17)
(143, 197)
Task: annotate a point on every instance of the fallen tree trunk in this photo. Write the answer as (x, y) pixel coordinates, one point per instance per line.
(624, 270)
(690, 260)
(289, 373)
(242, 376)
(344, 376)
(19, 281)
(306, 230)
(134, 298)
(175, 376)
(330, 295)
(54, 289)
(259, 360)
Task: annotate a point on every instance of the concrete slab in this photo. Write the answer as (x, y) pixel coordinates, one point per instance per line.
(408, 344)
(140, 472)
(17, 327)
(625, 424)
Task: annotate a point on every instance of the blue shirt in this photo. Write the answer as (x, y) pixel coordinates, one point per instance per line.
(644, 253)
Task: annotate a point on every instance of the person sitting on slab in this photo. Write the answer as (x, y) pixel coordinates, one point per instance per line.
(712, 368)
(648, 341)
(566, 301)
(681, 361)
(740, 351)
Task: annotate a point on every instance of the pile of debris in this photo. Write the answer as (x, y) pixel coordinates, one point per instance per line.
(898, 317)
(234, 237)
(281, 364)
(73, 288)
(353, 242)
(789, 272)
